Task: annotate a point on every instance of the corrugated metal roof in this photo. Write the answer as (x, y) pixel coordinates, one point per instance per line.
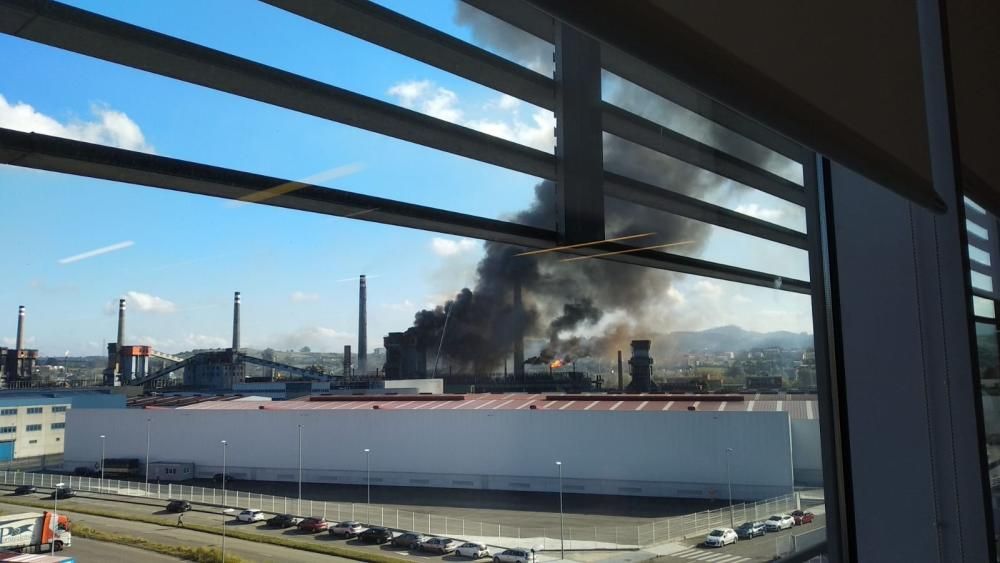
(801, 407)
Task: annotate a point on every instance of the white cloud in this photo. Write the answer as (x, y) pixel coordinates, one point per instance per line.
(192, 340)
(11, 341)
(763, 213)
(108, 127)
(144, 302)
(428, 98)
(303, 297)
(451, 247)
(406, 306)
(675, 296)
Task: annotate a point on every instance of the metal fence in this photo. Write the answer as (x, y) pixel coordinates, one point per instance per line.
(491, 532)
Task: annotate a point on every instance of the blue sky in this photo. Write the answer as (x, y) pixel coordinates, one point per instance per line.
(189, 253)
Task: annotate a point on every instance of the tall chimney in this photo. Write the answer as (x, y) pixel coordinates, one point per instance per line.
(236, 322)
(363, 327)
(121, 324)
(20, 330)
(621, 377)
(348, 362)
(519, 336)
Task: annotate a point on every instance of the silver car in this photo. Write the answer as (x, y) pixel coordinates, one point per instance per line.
(439, 545)
(473, 550)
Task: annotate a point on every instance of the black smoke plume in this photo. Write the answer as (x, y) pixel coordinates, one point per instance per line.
(561, 299)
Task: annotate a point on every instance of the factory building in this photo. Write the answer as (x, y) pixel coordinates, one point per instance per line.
(33, 423)
(493, 442)
(17, 364)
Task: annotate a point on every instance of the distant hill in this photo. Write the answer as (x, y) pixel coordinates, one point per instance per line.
(729, 339)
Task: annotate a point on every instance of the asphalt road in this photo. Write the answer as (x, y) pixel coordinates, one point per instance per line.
(759, 549)
(91, 551)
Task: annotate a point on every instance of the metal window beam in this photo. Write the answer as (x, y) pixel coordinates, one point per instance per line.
(633, 128)
(628, 189)
(43, 152)
(386, 28)
(73, 29)
(536, 22)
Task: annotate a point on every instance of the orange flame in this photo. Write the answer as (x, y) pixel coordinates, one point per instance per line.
(556, 364)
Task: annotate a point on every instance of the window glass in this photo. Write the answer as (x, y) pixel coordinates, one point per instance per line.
(977, 229)
(983, 307)
(979, 255)
(982, 281)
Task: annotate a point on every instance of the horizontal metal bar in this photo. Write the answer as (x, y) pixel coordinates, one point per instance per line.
(981, 268)
(986, 320)
(984, 294)
(540, 24)
(43, 152)
(628, 189)
(73, 29)
(639, 130)
(384, 27)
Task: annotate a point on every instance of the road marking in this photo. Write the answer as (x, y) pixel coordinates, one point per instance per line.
(460, 404)
(809, 410)
(437, 406)
(667, 406)
(722, 405)
(401, 405)
(484, 404)
(780, 404)
(562, 408)
(642, 404)
(695, 405)
(750, 406)
(548, 404)
(524, 405)
(590, 406)
(495, 407)
(685, 552)
(616, 405)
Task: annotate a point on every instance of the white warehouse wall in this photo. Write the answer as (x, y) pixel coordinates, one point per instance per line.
(807, 458)
(636, 453)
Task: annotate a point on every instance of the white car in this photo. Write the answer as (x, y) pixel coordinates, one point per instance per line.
(472, 550)
(779, 522)
(347, 529)
(517, 555)
(721, 537)
(250, 515)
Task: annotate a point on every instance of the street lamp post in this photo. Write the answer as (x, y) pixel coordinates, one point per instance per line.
(147, 456)
(225, 512)
(729, 480)
(102, 460)
(224, 444)
(299, 509)
(562, 541)
(368, 473)
(55, 514)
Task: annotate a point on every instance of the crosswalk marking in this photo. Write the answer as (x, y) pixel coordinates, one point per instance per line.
(708, 556)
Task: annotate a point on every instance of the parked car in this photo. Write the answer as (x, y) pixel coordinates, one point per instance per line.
(439, 545)
(472, 550)
(750, 530)
(779, 522)
(802, 517)
(721, 537)
(376, 535)
(348, 529)
(250, 515)
(408, 540)
(62, 492)
(313, 524)
(517, 555)
(283, 521)
(25, 490)
(178, 506)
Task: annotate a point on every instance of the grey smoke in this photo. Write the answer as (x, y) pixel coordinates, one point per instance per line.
(561, 298)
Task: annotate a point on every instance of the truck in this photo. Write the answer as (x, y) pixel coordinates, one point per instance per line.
(34, 532)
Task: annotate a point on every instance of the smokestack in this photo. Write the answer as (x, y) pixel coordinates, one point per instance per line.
(121, 323)
(621, 376)
(236, 322)
(20, 330)
(519, 332)
(347, 361)
(362, 327)
(641, 366)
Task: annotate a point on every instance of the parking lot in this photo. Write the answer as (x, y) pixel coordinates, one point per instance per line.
(762, 548)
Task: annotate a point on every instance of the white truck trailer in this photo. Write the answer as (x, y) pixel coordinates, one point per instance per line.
(34, 532)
